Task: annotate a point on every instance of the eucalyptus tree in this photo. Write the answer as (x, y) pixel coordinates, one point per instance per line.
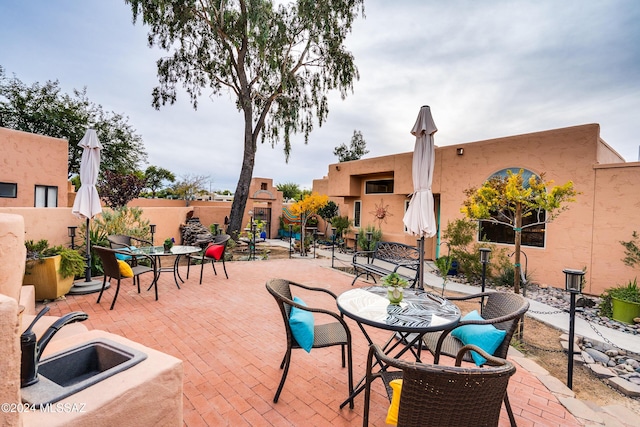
(278, 61)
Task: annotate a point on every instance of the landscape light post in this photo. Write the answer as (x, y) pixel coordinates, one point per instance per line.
(290, 239)
(315, 241)
(152, 227)
(369, 234)
(333, 245)
(485, 254)
(252, 239)
(72, 234)
(573, 285)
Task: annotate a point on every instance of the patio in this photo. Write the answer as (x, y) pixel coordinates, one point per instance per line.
(230, 336)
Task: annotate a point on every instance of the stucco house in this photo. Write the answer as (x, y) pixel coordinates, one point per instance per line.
(376, 191)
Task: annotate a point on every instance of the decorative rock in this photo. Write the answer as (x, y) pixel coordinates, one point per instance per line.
(600, 371)
(636, 319)
(587, 358)
(612, 353)
(599, 356)
(611, 363)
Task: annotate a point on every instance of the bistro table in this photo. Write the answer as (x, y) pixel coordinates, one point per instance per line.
(157, 252)
(419, 312)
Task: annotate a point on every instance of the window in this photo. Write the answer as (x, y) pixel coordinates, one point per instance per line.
(530, 236)
(8, 189)
(380, 186)
(357, 208)
(46, 196)
(263, 186)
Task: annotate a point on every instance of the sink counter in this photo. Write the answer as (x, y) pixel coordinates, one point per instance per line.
(148, 393)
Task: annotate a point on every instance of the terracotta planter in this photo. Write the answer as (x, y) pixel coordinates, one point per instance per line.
(625, 311)
(43, 275)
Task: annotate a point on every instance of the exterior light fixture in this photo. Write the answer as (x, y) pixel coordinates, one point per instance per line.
(333, 246)
(485, 254)
(573, 285)
(290, 239)
(72, 233)
(152, 227)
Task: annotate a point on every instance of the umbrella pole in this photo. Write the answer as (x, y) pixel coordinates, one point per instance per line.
(421, 266)
(87, 272)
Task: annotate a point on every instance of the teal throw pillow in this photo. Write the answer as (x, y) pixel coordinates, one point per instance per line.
(487, 337)
(301, 323)
(123, 257)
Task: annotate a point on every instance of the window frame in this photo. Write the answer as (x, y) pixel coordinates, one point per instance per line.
(47, 189)
(357, 213)
(367, 182)
(15, 190)
(528, 235)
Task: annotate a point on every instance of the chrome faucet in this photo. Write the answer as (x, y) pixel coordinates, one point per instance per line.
(32, 350)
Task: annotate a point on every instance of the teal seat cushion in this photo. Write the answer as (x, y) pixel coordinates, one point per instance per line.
(487, 337)
(123, 257)
(301, 323)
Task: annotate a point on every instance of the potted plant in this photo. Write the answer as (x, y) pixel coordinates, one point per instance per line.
(621, 303)
(51, 270)
(168, 243)
(395, 285)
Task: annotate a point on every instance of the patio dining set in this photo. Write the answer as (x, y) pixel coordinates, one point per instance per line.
(469, 393)
(130, 257)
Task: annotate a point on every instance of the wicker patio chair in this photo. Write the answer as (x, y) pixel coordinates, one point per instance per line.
(121, 241)
(219, 240)
(436, 395)
(112, 269)
(504, 310)
(325, 335)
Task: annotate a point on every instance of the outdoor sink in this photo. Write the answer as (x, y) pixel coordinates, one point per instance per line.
(77, 368)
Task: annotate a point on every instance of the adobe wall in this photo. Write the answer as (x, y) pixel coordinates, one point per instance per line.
(573, 239)
(29, 160)
(616, 208)
(562, 155)
(11, 271)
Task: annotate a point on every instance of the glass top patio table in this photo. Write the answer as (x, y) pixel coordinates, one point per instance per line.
(158, 252)
(419, 312)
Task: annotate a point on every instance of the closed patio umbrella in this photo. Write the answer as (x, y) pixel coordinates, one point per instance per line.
(420, 218)
(87, 202)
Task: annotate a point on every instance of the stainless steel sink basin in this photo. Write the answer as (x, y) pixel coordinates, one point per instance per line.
(77, 368)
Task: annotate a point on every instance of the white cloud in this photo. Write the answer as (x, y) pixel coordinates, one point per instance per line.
(487, 69)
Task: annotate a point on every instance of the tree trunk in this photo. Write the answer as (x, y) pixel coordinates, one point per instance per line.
(518, 238)
(241, 195)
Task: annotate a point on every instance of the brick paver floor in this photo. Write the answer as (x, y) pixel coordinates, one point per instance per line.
(230, 336)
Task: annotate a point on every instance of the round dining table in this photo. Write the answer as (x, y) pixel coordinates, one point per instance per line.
(419, 312)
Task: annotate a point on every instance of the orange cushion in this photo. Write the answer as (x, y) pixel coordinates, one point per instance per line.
(215, 252)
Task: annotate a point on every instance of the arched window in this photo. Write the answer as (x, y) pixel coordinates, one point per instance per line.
(499, 233)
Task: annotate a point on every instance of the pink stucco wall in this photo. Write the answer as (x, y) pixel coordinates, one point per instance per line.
(29, 160)
(587, 235)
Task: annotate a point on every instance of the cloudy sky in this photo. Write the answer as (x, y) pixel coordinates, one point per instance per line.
(488, 69)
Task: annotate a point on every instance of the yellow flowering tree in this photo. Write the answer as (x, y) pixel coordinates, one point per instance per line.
(506, 200)
(308, 206)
